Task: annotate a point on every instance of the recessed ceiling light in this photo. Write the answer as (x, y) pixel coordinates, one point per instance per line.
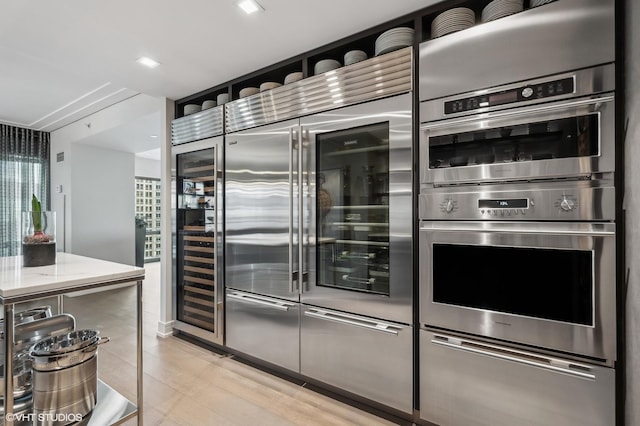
(249, 6)
(153, 136)
(147, 62)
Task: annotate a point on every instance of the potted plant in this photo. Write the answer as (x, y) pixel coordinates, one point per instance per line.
(39, 241)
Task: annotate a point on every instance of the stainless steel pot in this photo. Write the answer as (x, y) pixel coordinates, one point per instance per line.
(65, 379)
(65, 350)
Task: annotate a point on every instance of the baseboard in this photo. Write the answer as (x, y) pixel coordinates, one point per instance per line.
(165, 329)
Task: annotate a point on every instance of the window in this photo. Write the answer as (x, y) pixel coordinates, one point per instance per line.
(148, 199)
(24, 171)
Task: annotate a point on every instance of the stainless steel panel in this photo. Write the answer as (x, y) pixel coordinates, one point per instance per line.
(398, 305)
(201, 125)
(587, 200)
(587, 82)
(465, 382)
(362, 355)
(217, 336)
(261, 210)
(264, 327)
(604, 162)
(557, 37)
(375, 78)
(597, 340)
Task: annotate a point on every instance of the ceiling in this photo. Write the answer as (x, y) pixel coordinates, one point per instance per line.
(64, 60)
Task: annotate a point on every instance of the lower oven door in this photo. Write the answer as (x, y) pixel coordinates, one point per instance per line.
(465, 382)
(550, 285)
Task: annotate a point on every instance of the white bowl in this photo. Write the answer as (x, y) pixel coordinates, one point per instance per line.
(222, 98)
(208, 104)
(326, 65)
(191, 109)
(293, 77)
(269, 85)
(248, 91)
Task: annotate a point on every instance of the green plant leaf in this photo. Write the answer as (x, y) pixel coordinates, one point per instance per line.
(36, 214)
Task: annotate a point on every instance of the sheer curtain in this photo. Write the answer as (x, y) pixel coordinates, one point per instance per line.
(24, 170)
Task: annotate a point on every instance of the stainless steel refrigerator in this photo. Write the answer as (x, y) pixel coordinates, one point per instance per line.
(318, 247)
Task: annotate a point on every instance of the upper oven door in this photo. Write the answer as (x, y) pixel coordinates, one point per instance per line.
(549, 285)
(559, 139)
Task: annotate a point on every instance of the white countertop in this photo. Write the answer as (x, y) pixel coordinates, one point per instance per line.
(69, 271)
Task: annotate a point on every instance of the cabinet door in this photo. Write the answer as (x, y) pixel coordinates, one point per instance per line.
(264, 328)
(365, 356)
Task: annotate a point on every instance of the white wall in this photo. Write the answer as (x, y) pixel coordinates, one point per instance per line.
(632, 204)
(147, 168)
(97, 176)
(103, 204)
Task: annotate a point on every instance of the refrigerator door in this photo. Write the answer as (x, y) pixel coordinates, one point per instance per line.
(261, 189)
(197, 239)
(264, 327)
(465, 382)
(365, 356)
(357, 209)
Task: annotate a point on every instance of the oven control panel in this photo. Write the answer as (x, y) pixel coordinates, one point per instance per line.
(525, 93)
(487, 203)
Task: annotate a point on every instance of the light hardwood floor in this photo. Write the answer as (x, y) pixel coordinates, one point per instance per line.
(185, 384)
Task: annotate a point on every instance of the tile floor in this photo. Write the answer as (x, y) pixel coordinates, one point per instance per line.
(185, 384)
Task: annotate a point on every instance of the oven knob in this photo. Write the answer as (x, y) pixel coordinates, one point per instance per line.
(567, 204)
(449, 206)
(527, 92)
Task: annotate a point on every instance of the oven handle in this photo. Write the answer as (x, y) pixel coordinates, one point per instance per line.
(607, 230)
(534, 360)
(596, 102)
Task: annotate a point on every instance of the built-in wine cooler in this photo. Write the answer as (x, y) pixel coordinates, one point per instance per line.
(198, 238)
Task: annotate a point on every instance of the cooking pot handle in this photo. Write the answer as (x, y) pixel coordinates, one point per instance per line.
(93, 347)
(103, 340)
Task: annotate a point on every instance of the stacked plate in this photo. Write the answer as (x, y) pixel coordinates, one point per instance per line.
(222, 98)
(394, 39)
(269, 85)
(325, 65)
(456, 19)
(353, 56)
(191, 109)
(248, 91)
(293, 77)
(501, 8)
(208, 104)
(535, 3)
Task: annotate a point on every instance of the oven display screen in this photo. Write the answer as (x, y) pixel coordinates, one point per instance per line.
(516, 203)
(503, 98)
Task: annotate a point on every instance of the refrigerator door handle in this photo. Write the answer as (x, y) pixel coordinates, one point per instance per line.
(353, 320)
(279, 305)
(302, 246)
(293, 275)
(536, 360)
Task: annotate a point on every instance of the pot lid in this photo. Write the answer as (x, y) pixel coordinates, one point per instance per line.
(65, 343)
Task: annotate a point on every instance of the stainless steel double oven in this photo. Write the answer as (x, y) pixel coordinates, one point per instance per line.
(517, 250)
(517, 209)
